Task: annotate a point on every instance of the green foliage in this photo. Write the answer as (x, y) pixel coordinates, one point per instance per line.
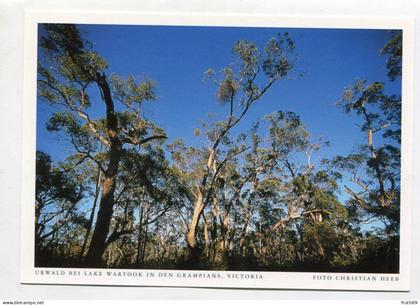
(58, 194)
(393, 49)
(267, 202)
(277, 62)
(254, 71)
(130, 92)
(228, 87)
(287, 133)
(61, 37)
(375, 169)
(53, 183)
(82, 68)
(70, 53)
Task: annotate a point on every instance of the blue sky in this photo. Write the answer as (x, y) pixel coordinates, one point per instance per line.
(176, 58)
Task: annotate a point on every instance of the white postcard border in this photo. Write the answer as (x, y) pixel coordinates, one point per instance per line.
(199, 278)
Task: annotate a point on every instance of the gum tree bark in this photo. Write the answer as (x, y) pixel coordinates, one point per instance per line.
(106, 205)
(240, 90)
(92, 213)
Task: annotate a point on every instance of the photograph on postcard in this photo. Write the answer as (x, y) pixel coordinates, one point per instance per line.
(218, 148)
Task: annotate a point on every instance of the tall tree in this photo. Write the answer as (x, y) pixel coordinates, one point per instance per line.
(375, 170)
(393, 48)
(59, 191)
(68, 72)
(242, 84)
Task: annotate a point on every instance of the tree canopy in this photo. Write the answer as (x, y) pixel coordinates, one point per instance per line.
(244, 196)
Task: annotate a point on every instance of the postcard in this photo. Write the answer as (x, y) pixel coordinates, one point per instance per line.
(239, 151)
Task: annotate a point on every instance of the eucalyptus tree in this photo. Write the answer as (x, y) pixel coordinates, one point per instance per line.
(241, 85)
(393, 49)
(296, 192)
(151, 190)
(68, 73)
(375, 169)
(60, 190)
